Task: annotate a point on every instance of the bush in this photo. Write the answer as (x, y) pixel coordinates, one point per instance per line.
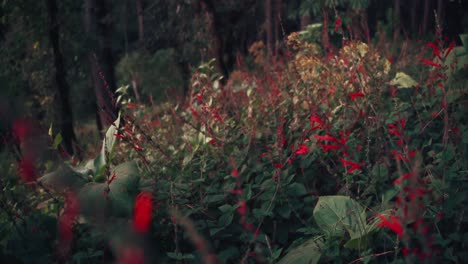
(311, 158)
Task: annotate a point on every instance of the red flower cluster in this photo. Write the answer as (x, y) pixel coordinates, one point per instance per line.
(392, 223)
(302, 150)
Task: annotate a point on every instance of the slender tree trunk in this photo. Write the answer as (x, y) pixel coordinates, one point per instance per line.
(414, 16)
(440, 11)
(215, 26)
(268, 27)
(64, 115)
(325, 37)
(305, 21)
(277, 19)
(98, 25)
(396, 19)
(425, 22)
(141, 32)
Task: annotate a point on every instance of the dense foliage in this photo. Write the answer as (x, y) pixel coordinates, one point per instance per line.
(308, 158)
(233, 131)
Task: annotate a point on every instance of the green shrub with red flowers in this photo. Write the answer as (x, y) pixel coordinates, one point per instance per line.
(311, 158)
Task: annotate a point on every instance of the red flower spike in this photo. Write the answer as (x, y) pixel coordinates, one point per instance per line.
(392, 223)
(402, 178)
(112, 178)
(449, 49)
(119, 136)
(242, 208)
(326, 147)
(431, 63)
(435, 49)
(325, 138)
(352, 165)
(337, 24)
(235, 173)
(316, 121)
(142, 212)
(353, 96)
(302, 150)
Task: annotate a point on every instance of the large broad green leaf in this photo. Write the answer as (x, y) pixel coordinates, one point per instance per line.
(96, 202)
(127, 177)
(464, 39)
(63, 178)
(93, 201)
(337, 214)
(119, 200)
(307, 253)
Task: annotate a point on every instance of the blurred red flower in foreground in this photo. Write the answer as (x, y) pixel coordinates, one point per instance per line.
(392, 223)
(142, 212)
(27, 170)
(21, 129)
(131, 255)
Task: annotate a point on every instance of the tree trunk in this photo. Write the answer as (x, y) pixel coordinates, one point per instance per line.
(414, 14)
(277, 19)
(305, 21)
(425, 22)
(268, 27)
(64, 115)
(214, 27)
(141, 32)
(440, 12)
(396, 19)
(98, 24)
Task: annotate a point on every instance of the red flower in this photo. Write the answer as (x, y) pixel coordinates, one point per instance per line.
(431, 63)
(235, 173)
(325, 138)
(242, 208)
(316, 122)
(353, 96)
(391, 223)
(326, 147)
(142, 212)
(337, 24)
(449, 49)
(302, 150)
(352, 166)
(402, 178)
(435, 49)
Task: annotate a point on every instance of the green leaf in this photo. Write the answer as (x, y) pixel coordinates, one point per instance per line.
(92, 199)
(403, 80)
(58, 139)
(63, 178)
(284, 211)
(307, 253)
(226, 208)
(225, 219)
(126, 177)
(297, 189)
(336, 214)
(464, 39)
